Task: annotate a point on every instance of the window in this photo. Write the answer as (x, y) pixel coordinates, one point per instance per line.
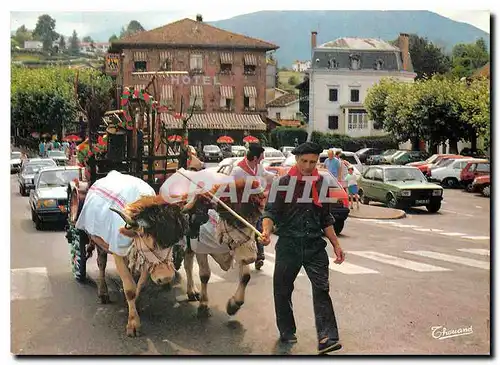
(355, 95)
(333, 95)
(483, 167)
(332, 63)
(140, 66)
(229, 104)
(278, 116)
(298, 115)
(333, 122)
(378, 175)
(355, 62)
(246, 102)
(379, 64)
(357, 119)
(226, 68)
(369, 174)
(196, 62)
(249, 70)
(166, 65)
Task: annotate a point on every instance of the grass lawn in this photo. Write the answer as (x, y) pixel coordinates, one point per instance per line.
(284, 76)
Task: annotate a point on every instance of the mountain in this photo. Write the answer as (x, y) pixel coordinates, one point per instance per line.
(291, 30)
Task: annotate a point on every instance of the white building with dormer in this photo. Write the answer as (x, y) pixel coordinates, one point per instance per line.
(341, 73)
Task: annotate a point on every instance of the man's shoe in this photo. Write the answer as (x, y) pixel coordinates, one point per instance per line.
(328, 346)
(288, 338)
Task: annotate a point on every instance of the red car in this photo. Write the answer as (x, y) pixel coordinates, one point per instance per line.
(482, 184)
(434, 160)
(474, 169)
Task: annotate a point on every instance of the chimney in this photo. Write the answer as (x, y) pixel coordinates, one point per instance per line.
(404, 46)
(199, 18)
(313, 39)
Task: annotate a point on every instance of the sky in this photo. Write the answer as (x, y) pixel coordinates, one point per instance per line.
(96, 21)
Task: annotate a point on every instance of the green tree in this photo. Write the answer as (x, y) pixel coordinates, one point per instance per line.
(22, 35)
(293, 80)
(468, 57)
(475, 104)
(132, 28)
(62, 44)
(74, 43)
(113, 38)
(45, 31)
(87, 39)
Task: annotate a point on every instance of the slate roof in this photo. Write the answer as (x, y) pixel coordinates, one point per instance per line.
(360, 44)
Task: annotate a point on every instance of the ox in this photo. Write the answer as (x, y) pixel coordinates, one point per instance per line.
(143, 246)
(225, 238)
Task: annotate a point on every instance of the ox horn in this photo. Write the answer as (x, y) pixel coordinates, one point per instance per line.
(190, 204)
(125, 217)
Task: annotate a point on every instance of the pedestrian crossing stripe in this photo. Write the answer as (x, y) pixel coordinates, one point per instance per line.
(350, 269)
(453, 234)
(268, 270)
(454, 259)
(478, 251)
(396, 261)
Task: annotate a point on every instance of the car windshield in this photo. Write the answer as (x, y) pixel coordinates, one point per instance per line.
(273, 154)
(432, 159)
(211, 148)
(56, 154)
(361, 151)
(349, 159)
(444, 163)
(389, 152)
(35, 167)
(404, 174)
(15, 155)
(56, 178)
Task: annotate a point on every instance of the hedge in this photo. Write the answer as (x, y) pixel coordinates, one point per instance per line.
(329, 140)
(285, 136)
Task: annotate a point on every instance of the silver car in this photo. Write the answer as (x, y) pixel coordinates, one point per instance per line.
(59, 157)
(15, 161)
(28, 170)
(49, 200)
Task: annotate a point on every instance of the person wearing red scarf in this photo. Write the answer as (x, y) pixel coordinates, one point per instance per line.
(300, 226)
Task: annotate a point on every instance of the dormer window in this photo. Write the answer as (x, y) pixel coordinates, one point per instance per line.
(333, 63)
(355, 61)
(379, 64)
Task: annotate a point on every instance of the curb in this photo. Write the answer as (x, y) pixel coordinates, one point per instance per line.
(374, 212)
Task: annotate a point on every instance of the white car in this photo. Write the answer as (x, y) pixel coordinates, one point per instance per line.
(15, 161)
(212, 153)
(59, 157)
(273, 157)
(238, 151)
(287, 150)
(448, 173)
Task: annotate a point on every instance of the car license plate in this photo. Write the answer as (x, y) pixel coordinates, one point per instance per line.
(426, 201)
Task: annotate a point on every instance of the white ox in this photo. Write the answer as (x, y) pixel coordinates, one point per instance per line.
(144, 245)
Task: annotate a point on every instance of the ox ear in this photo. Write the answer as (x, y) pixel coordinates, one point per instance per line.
(129, 221)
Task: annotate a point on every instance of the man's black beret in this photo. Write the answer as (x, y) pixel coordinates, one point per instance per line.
(308, 148)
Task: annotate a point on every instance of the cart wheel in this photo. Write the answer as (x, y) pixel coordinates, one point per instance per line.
(77, 239)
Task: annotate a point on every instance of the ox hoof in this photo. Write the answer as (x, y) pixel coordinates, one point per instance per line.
(193, 297)
(104, 299)
(204, 311)
(133, 331)
(233, 306)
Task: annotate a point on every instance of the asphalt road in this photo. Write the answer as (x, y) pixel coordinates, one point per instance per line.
(394, 287)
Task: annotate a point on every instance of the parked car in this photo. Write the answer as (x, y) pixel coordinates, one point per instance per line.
(238, 151)
(389, 159)
(287, 150)
(408, 157)
(473, 169)
(28, 170)
(448, 172)
(59, 157)
(273, 156)
(438, 162)
(212, 153)
(375, 159)
(15, 161)
(482, 184)
(350, 157)
(429, 160)
(364, 153)
(48, 200)
(399, 187)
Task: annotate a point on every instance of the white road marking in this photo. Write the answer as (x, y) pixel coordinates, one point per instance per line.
(422, 229)
(453, 234)
(455, 259)
(478, 207)
(396, 261)
(477, 237)
(268, 269)
(406, 225)
(29, 283)
(350, 269)
(478, 251)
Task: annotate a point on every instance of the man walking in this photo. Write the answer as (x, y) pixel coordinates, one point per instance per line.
(333, 163)
(300, 226)
(250, 166)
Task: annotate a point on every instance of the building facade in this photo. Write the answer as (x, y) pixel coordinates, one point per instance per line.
(342, 72)
(224, 71)
(285, 107)
(301, 66)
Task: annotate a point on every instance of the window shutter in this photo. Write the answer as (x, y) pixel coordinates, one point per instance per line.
(333, 122)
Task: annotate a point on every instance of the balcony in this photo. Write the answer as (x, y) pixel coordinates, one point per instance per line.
(196, 71)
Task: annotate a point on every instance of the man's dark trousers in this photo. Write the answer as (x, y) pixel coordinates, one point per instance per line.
(291, 255)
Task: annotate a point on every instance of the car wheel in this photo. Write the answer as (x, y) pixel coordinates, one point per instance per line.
(338, 226)
(486, 191)
(433, 207)
(362, 197)
(391, 201)
(469, 187)
(450, 182)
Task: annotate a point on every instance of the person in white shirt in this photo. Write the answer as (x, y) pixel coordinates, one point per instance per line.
(352, 187)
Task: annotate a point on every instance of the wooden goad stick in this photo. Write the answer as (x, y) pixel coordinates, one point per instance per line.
(236, 215)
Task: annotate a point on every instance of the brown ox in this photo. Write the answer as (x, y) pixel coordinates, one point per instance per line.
(237, 238)
(152, 226)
